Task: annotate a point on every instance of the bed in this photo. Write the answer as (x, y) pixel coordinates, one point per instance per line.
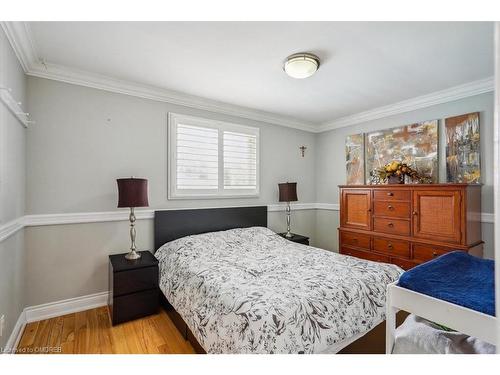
(455, 290)
(234, 286)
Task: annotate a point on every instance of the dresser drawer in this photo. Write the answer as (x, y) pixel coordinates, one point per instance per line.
(425, 253)
(391, 195)
(132, 281)
(364, 255)
(404, 263)
(354, 239)
(392, 247)
(392, 226)
(392, 209)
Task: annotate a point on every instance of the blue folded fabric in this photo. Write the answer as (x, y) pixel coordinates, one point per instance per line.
(456, 277)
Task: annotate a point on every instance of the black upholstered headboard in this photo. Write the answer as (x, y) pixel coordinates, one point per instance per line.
(173, 224)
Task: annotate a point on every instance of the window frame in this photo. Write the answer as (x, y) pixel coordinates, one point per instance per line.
(220, 193)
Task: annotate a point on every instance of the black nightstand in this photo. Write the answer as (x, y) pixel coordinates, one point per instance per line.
(296, 238)
(133, 287)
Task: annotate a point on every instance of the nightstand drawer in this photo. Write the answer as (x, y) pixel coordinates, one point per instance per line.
(126, 282)
(134, 306)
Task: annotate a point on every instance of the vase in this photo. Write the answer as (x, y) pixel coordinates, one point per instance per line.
(395, 180)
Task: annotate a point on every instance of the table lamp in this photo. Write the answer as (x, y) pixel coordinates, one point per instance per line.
(288, 193)
(132, 192)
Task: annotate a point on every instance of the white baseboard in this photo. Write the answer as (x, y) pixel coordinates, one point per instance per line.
(67, 306)
(15, 335)
(51, 310)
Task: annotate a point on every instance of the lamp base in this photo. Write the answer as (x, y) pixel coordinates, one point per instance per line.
(133, 255)
(288, 235)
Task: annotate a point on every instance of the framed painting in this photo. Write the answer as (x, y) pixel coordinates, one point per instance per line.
(415, 145)
(463, 154)
(355, 159)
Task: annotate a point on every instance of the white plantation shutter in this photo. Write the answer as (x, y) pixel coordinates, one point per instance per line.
(210, 158)
(197, 157)
(240, 161)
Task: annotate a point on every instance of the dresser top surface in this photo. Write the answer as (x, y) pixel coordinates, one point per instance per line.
(408, 186)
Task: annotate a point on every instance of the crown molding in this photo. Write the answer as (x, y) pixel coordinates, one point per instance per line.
(83, 78)
(20, 37)
(439, 97)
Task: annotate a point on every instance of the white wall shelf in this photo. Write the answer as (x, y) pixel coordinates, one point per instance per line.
(14, 106)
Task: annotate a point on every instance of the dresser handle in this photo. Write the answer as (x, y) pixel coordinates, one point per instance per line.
(389, 245)
(354, 240)
(390, 207)
(415, 213)
(390, 194)
(390, 225)
(369, 210)
(434, 254)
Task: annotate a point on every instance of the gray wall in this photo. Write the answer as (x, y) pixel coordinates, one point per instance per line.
(83, 140)
(66, 261)
(330, 161)
(12, 190)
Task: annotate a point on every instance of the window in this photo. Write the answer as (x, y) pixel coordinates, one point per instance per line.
(211, 159)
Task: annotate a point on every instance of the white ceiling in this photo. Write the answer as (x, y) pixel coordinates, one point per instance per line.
(364, 65)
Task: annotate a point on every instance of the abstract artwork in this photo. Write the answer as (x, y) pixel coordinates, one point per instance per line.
(415, 145)
(463, 157)
(354, 159)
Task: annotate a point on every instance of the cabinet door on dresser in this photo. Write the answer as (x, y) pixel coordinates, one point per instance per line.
(356, 208)
(437, 215)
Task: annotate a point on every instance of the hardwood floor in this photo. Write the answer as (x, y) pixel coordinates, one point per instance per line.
(91, 332)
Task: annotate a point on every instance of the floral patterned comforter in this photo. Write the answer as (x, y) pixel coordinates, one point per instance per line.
(252, 291)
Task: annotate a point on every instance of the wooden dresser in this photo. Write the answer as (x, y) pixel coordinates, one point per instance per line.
(409, 224)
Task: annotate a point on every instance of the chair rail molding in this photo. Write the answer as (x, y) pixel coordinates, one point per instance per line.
(11, 227)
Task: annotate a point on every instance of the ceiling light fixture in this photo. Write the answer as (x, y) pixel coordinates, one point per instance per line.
(301, 65)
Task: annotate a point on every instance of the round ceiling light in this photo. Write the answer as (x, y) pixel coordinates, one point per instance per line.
(301, 65)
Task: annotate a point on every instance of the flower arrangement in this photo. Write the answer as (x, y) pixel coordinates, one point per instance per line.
(395, 172)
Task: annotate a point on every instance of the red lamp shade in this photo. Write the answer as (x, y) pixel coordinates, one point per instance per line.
(132, 192)
(288, 192)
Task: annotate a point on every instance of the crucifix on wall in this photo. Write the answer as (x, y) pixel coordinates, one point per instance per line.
(303, 150)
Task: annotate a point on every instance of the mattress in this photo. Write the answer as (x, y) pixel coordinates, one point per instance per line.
(456, 277)
(252, 291)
